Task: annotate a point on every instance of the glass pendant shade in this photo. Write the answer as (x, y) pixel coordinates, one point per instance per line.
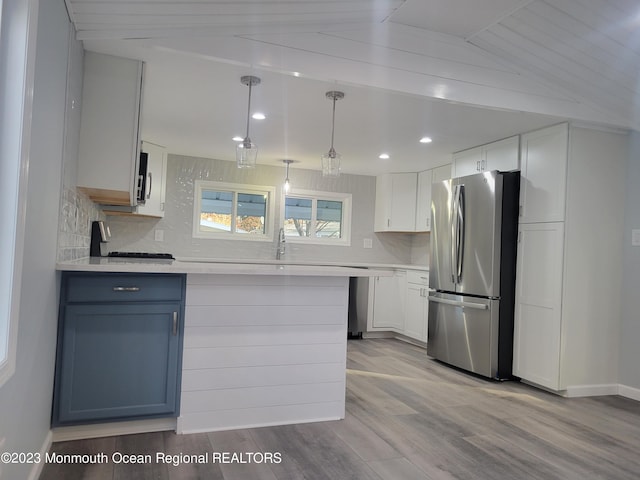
(247, 151)
(331, 160)
(246, 154)
(331, 164)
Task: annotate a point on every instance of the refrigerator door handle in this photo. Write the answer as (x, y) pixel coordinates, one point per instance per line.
(460, 234)
(478, 306)
(454, 233)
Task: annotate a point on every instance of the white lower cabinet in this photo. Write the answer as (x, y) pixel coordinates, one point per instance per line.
(400, 304)
(415, 325)
(389, 301)
(538, 303)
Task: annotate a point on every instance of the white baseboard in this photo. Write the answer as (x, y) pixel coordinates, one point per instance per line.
(629, 392)
(591, 390)
(79, 432)
(36, 470)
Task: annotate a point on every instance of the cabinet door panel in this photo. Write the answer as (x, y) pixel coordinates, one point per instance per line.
(395, 208)
(423, 207)
(156, 181)
(389, 301)
(417, 310)
(544, 172)
(118, 361)
(502, 155)
(537, 326)
(467, 162)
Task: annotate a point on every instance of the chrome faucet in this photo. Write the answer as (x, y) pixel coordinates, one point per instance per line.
(280, 250)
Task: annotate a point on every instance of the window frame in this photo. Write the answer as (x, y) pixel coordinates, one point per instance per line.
(235, 188)
(17, 65)
(314, 195)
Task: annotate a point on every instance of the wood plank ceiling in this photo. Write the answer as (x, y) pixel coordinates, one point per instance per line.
(571, 59)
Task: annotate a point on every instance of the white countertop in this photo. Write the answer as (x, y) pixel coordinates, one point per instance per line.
(208, 266)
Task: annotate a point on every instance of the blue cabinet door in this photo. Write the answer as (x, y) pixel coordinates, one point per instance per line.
(118, 361)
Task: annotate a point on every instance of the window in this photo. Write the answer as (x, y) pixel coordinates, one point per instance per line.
(17, 56)
(317, 217)
(229, 210)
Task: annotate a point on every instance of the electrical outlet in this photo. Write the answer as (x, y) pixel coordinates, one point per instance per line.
(635, 237)
(159, 235)
(367, 243)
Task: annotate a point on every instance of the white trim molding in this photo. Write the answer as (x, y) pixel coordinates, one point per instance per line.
(17, 65)
(629, 392)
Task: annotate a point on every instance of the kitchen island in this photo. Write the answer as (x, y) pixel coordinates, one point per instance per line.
(264, 344)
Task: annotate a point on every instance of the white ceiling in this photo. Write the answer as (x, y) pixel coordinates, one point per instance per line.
(464, 72)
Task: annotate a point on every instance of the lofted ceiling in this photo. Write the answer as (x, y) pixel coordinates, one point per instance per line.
(463, 72)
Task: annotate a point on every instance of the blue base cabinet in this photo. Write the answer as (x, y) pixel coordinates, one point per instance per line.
(119, 347)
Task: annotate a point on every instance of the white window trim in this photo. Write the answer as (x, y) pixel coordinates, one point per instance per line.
(17, 63)
(237, 188)
(345, 198)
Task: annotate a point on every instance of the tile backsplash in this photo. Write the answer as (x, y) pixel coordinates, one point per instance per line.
(77, 212)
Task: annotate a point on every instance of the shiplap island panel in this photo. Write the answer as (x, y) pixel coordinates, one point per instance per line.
(264, 350)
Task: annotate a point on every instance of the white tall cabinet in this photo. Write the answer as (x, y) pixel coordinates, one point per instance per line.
(569, 259)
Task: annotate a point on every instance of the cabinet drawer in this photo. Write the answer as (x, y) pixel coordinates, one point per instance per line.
(122, 287)
(418, 276)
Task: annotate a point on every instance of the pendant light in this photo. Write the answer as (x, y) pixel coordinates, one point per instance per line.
(246, 151)
(287, 184)
(331, 160)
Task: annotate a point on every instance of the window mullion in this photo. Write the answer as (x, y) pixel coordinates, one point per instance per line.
(314, 217)
(234, 212)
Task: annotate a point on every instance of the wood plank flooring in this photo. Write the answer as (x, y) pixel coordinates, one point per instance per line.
(408, 417)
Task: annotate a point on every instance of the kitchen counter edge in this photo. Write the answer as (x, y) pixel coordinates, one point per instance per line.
(118, 265)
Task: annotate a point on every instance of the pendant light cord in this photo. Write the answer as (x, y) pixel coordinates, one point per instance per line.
(248, 111)
(333, 121)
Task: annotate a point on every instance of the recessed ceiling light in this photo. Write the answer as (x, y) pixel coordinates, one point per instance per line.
(425, 140)
(258, 116)
(237, 139)
(384, 156)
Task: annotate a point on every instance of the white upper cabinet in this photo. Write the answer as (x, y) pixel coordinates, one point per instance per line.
(109, 147)
(156, 182)
(544, 175)
(395, 209)
(423, 206)
(467, 162)
(441, 173)
(502, 155)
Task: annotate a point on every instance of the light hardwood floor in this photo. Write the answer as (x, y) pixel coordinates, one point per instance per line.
(408, 417)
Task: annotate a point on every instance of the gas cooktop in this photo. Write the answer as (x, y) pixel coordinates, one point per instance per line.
(161, 256)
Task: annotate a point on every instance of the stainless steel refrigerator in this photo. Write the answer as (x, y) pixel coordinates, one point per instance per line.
(472, 273)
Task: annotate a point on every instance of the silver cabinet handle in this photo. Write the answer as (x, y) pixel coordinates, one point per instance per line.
(126, 289)
(150, 185)
(175, 323)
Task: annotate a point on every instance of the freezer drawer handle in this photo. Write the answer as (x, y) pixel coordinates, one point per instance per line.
(126, 289)
(479, 306)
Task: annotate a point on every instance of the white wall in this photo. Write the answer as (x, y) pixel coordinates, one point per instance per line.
(630, 324)
(25, 400)
(137, 234)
